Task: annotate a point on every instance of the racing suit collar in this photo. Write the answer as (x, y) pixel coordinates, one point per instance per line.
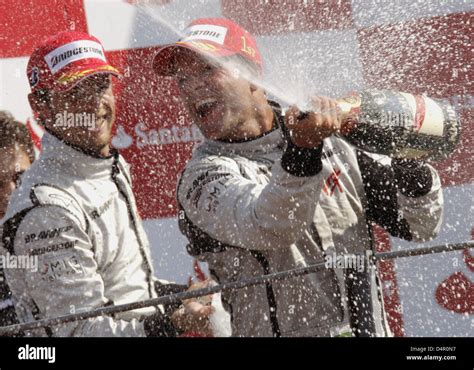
(260, 145)
(74, 160)
(264, 143)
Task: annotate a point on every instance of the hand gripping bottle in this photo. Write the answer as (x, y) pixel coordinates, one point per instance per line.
(398, 124)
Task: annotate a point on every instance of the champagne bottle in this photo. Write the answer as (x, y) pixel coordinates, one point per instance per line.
(400, 125)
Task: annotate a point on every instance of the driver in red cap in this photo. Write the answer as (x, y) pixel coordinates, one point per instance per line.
(266, 192)
(75, 212)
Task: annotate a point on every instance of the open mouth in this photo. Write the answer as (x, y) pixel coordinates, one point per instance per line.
(101, 121)
(205, 107)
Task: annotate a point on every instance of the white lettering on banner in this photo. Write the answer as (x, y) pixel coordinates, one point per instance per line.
(76, 50)
(206, 32)
(165, 136)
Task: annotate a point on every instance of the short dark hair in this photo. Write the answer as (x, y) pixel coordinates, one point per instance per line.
(42, 95)
(13, 132)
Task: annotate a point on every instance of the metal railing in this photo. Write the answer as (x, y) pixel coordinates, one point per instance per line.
(178, 297)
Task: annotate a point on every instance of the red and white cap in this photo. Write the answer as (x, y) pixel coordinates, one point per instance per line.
(63, 60)
(215, 37)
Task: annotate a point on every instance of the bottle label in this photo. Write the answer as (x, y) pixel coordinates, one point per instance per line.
(399, 124)
(428, 116)
(433, 123)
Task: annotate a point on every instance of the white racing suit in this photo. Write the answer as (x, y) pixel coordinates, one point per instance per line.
(254, 208)
(77, 215)
(7, 310)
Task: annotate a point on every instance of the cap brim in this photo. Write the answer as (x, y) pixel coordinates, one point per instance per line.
(71, 78)
(164, 64)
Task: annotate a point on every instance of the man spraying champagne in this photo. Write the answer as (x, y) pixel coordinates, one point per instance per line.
(266, 192)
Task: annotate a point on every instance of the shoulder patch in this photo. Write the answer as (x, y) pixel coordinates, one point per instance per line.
(49, 195)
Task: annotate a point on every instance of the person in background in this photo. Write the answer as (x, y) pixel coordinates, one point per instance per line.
(267, 192)
(75, 210)
(16, 156)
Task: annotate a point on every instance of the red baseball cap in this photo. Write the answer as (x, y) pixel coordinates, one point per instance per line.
(214, 37)
(63, 60)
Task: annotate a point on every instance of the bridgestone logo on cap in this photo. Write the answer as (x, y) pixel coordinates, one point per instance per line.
(206, 32)
(76, 50)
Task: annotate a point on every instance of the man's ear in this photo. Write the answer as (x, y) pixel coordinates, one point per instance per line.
(254, 89)
(257, 91)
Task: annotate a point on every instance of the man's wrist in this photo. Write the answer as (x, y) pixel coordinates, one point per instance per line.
(298, 161)
(162, 289)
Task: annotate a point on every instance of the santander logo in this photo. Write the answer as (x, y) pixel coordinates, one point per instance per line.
(151, 137)
(121, 140)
